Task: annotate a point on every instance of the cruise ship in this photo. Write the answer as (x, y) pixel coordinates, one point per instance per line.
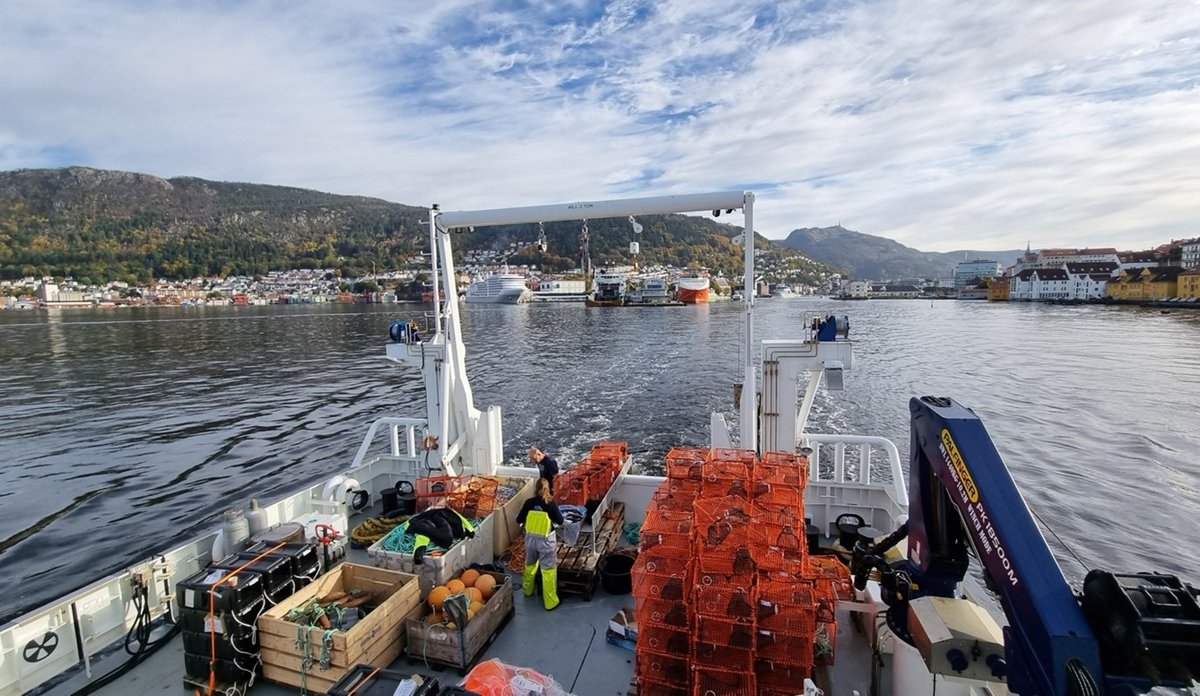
(841, 578)
(499, 288)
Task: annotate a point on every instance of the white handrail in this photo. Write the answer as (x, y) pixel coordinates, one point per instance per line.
(865, 444)
(410, 440)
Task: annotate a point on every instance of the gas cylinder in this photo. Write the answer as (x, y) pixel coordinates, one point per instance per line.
(256, 518)
(236, 530)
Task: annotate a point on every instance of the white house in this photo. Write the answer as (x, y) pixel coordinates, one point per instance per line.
(1049, 284)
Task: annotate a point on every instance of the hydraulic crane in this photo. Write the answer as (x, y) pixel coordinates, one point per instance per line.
(1123, 634)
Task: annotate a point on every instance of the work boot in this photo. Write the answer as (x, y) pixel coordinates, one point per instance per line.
(550, 588)
(527, 579)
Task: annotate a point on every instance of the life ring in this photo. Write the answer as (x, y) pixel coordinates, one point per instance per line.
(329, 492)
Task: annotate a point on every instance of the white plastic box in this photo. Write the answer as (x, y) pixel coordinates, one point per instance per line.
(438, 570)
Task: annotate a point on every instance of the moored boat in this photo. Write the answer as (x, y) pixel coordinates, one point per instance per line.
(608, 289)
(693, 289)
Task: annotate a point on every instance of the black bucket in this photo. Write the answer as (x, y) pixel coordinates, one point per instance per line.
(614, 573)
(406, 499)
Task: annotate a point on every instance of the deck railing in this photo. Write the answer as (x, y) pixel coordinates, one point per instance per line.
(839, 473)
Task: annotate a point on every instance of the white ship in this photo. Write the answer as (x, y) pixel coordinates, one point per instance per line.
(498, 288)
(911, 623)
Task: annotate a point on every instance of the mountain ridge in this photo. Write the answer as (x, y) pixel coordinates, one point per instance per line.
(871, 257)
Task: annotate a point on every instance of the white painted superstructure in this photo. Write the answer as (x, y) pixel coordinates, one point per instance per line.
(499, 288)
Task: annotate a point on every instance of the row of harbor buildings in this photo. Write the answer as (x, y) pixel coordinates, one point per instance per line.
(1169, 273)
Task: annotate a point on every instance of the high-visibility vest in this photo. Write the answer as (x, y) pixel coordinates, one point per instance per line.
(537, 522)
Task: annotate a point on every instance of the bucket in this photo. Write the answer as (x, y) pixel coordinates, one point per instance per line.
(390, 502)
(406, 497)
(614, 573)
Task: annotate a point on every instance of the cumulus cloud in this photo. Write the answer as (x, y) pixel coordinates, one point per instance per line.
(940, 124)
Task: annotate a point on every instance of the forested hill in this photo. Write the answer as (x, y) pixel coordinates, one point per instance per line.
(99, 225)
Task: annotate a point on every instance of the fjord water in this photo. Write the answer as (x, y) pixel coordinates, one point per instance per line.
(125, 431)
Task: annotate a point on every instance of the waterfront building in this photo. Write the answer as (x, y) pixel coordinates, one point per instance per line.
(999, 289)
(1021, 286)
(1133, 260)
(858, 289)
(1191, 254)
(1089, 281)
(968, 273)
(1049, 284)
(1146, 284)
(1189, 284)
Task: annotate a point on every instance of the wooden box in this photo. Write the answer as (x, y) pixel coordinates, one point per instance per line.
(377, 639)
(455, 647)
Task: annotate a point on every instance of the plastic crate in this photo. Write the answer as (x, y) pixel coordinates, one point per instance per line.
(243, 597)
(276, 572)
(303, 559)
(439, 568)
(368, 680)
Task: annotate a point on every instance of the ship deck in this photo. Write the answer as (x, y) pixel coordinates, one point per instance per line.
(568, 644)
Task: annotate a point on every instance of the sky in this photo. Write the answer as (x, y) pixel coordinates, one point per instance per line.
(942, 125)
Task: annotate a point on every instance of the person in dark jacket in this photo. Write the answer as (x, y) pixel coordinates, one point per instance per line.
(547, 466)
(537, 517)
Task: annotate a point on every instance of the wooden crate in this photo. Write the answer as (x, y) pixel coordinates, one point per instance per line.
(377, 639)
(459, 648)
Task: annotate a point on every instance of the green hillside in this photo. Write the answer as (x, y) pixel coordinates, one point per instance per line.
(98, 225)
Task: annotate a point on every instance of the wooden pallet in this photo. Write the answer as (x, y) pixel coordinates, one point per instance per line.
(577, 571)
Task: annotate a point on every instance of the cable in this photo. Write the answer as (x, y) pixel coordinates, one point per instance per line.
(140, 631)
(1071, 551)
(584, 660)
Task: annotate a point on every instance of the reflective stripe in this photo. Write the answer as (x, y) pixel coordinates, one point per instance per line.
(537, 522)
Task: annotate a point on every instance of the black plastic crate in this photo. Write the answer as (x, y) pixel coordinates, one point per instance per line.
(276, 572)
(235, 671)
(237, 643)
(366, 680)
(198, 620)
(235, 595)
(305, 562)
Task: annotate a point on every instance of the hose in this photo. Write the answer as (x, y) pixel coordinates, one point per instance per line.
(139, 633)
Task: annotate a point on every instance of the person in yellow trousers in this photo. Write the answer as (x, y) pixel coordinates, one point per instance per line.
(538, 517)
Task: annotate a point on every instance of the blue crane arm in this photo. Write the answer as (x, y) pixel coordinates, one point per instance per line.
(955, 467)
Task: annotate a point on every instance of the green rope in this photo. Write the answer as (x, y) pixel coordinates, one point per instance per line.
(632, 532)
(400, 541)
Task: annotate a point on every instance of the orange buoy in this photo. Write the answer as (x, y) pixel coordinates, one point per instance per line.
(469, 576)
(486, 585)
(456, 586)
(438, 595)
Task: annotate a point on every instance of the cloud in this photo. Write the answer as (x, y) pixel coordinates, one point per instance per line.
(939, 124)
